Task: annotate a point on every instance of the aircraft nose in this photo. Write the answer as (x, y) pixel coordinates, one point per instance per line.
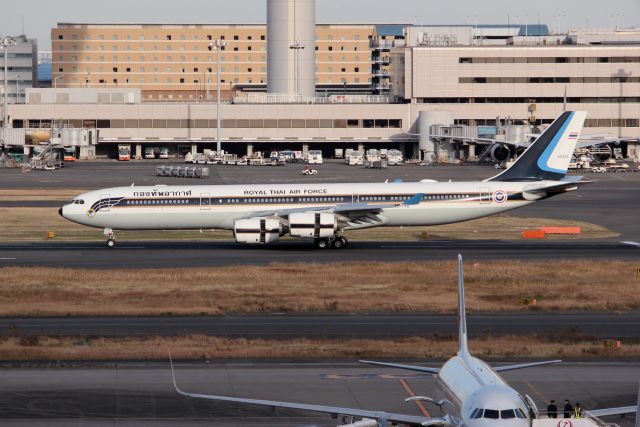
(60, 212)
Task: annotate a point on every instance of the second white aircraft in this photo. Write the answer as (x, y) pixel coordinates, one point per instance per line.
(261, 214)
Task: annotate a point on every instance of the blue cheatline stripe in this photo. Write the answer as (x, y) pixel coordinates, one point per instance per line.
(544, 158)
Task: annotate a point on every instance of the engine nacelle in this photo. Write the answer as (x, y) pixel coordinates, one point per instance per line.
(257, 230)
(313, 225)
(500, 152)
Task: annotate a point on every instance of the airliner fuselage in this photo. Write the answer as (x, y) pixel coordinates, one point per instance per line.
(219, 206)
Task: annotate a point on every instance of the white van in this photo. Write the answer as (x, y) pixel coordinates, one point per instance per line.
(314, 157)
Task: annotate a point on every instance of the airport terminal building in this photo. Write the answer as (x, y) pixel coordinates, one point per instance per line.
(393, 84)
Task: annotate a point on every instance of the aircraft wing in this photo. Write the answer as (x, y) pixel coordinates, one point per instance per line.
(348, 211)
(584, 143)
(524, 365)
(619, 411)
(613, 411)
(333, 410)
(400, 366)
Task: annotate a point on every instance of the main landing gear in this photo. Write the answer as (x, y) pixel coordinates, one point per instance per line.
(335, 242)
(111, 237)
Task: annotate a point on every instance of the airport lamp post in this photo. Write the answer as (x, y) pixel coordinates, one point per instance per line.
(4, 46)
(297, 47)
(55, 80)
(218, 45)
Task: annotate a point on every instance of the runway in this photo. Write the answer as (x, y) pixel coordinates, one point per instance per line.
(141, 394)
(335, 326)
(184, 254)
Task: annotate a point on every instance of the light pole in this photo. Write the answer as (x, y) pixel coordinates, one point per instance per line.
(218, 45)
(297, 47)
(55, 80)
(6, 42)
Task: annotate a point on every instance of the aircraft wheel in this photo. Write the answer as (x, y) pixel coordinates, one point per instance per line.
(338, 243)
(322, 243)
(344, 241)
(111, 243)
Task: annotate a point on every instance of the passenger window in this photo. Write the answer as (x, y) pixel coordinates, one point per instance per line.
(491, 414)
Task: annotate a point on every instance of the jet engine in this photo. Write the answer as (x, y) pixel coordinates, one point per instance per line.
(500, 152)
(312, 225)
(257, 230)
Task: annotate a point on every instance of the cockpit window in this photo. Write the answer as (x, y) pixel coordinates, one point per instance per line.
(78, 202)
(507, 414)
(492, 414)
(477, 413)
(520, 414)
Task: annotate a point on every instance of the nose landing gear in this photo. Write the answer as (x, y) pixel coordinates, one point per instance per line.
(111, 237)
(335, 242)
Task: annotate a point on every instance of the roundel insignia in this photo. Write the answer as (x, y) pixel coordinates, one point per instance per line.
(565, 423)
(91, 213)
(500, 196)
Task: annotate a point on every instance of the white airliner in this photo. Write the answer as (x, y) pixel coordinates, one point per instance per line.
(260, 214)
(469, 392)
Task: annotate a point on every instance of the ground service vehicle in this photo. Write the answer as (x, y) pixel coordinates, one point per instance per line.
(124, 152)
(69, 154)
(314, 157)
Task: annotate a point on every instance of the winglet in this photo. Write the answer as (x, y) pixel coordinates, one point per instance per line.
(173, 377)
(463, 349)
(414, 200)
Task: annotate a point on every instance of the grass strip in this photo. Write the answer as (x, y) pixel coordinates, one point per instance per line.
(429, 286)
(205, 347)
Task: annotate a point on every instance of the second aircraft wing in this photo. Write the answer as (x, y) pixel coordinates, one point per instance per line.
(381, 416)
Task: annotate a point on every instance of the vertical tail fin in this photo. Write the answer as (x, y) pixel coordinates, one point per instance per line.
(463, 349)
(548, 157)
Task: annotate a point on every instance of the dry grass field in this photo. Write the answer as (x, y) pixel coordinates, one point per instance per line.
(30, 224)
(343, 287)
(203, 347)
(39, 194)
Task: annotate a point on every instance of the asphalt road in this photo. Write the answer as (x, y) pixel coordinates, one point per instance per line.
(183, 254)
(606, 325)
(136, 394)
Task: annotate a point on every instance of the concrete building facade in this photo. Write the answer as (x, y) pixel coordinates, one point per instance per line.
(535, 83)
(175, 63)
(22, 68)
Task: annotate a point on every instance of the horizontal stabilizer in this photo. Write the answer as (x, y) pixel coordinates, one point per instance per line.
(400, 366)
(524, 365)
(538, 191)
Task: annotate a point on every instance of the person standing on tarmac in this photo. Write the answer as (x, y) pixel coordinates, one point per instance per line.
(552, 410)
(577, 410)
(568, 409)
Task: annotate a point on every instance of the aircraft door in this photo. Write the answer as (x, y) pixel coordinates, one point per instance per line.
(355, 198)
(485, 195)
(205, 201)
